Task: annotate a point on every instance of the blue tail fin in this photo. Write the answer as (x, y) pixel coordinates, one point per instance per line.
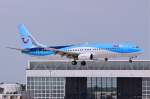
(25, 37)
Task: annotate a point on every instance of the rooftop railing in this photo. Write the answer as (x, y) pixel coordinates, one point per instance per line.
(90, 65)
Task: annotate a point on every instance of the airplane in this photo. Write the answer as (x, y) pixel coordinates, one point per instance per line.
(83, 52)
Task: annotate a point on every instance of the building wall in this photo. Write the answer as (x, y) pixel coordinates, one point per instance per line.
(88, 73)
(46, 87)
(76, 88)
(146, 88)
(48, 79)
(129, 88)
(101, 88)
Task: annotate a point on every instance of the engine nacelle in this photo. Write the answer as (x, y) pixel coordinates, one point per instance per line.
(86, 56)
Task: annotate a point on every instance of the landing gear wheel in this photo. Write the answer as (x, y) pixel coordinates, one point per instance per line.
(83, 63)
(74, 62)
(106, 59)
(130, 61)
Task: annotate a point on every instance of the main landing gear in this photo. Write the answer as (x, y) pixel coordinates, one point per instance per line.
(83, 63)
(130, 60)
(74, 62)
(106, 59)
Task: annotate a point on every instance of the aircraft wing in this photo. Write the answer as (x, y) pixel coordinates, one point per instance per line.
(64, 53)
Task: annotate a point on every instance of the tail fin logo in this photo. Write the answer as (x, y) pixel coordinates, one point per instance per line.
(25, 40)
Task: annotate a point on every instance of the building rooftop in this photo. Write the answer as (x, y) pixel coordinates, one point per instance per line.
(91, 65)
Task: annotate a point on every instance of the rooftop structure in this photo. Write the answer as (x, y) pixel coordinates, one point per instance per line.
(13, 91)
(97, 80)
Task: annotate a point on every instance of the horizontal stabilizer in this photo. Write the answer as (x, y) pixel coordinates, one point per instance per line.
(18, 49)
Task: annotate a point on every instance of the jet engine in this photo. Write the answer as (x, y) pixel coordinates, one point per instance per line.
(86, 56)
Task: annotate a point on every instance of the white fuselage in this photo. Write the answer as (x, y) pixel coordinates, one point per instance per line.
(102, 53)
